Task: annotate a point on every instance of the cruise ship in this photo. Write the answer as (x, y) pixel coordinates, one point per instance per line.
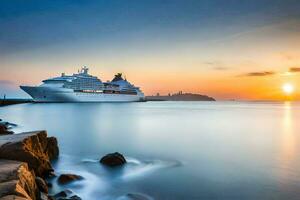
(83, 87)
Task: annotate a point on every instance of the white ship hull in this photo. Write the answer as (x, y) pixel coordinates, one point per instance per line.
(48, 94)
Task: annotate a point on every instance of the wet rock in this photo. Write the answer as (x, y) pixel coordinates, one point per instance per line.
(67, 178)
(32, 147)
(42, 185)
(113, 159)
(4, 129)
(17, 181)
(62, 194)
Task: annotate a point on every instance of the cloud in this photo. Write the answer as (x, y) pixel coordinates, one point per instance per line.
(221, 68)
(216, 65)
(210, 63)
(264, 73)
(6, 82)
(294, 69)
(10, 89)
(289, 56)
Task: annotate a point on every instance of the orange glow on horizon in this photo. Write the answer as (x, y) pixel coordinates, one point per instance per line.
(228, 78)
(222, 86)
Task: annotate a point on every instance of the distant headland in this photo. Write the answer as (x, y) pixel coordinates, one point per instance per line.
(180, 96)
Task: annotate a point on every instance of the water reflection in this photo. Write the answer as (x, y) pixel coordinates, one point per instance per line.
(288, 144)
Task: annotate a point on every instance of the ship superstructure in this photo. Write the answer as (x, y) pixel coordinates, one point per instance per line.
(83, 87)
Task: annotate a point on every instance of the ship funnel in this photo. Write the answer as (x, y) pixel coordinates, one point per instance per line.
(84, 70)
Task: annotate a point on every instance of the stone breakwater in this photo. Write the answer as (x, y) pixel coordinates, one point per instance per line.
(24, 163)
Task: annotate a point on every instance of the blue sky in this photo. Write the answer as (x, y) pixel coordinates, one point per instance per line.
(30, 24)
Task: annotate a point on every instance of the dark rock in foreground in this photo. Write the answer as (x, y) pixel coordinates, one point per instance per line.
(67, 178)
(113, 159)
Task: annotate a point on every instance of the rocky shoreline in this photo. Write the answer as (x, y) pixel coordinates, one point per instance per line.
(25, 166)
(25, 163)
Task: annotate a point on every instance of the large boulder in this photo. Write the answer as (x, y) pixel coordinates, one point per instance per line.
(113, 159)
(67, 178)
(17, 181)
(31, 147)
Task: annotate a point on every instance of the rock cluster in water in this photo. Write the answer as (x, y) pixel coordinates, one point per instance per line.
(25, 163)
(113, 159)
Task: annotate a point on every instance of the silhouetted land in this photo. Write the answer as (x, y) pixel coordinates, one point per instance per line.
(6, 102)
(180, 97)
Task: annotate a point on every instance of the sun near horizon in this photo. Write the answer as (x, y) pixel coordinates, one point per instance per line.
(288, 89)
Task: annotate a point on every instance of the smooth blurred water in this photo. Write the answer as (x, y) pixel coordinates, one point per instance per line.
(176, 150)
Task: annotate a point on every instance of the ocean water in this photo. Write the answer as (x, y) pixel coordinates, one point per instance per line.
(175, 150)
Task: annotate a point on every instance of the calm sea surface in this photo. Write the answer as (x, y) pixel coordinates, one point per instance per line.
(175, 150)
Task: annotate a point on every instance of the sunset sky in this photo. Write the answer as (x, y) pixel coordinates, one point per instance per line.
(228, 49)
